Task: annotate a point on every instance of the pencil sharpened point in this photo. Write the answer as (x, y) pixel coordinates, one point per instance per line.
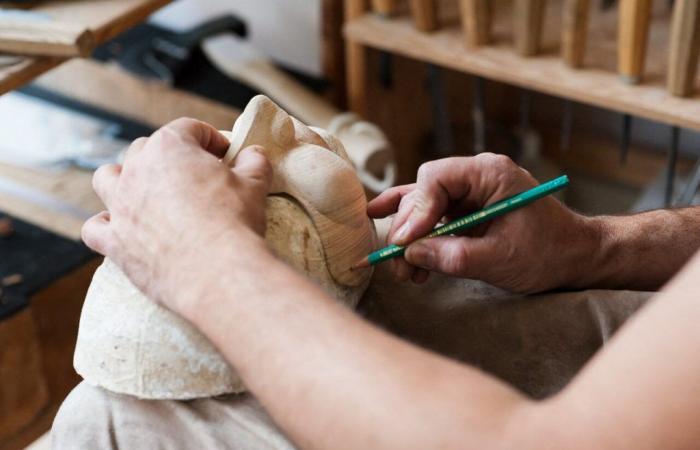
(362, 264)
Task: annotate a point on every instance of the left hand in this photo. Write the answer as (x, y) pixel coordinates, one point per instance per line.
(173, 203)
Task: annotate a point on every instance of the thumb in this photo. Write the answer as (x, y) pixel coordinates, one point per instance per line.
(252, 165)
(460, 256)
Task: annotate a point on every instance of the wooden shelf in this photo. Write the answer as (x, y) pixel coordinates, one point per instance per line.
(597, 84)
(102, 19)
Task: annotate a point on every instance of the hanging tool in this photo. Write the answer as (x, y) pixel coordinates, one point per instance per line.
(529, 25)
(625, 137)
(476, 21)
(685, 46)
(366, 145)
(691, 188)
(633, 34)
(425, 19)
(574, 31)
(425, 14)
(444, 138)
(479, 115)
(671, 166)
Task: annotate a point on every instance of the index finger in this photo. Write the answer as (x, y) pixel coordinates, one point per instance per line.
(387, 203)
(202, 134)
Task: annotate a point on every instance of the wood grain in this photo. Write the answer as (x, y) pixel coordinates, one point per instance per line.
(633, 37)
(476, 21)
(104, 19)
(31, 37)
(425, 14)
(150, 102)
(574, 31)
(528, 22)
(685, 45)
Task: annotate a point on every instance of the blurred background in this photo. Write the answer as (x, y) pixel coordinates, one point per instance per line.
(595, 89)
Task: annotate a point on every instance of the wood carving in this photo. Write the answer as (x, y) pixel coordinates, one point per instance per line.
(366, 144)
(316, 221)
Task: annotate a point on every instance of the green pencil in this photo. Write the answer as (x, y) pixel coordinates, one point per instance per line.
(489, 213)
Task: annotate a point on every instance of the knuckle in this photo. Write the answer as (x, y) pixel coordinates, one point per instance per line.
(425, 171)
(455, 260)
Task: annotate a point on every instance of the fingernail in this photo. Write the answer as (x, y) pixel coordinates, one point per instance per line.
(421, 255)
(402, 232)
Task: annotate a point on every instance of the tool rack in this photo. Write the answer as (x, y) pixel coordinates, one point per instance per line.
(596, 83)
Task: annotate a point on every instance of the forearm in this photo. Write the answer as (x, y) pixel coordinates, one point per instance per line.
(641, 251)
(331, 380)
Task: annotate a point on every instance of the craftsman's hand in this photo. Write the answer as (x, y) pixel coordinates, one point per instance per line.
(528, 250)
(173, 202)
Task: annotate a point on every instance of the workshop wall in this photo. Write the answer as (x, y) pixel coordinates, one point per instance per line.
(287, 30)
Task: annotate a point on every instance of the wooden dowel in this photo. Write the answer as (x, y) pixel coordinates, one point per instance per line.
(633, 34)
(529, 23)
(425, 14)
(386, 8)
(476, 21)
(685, 44)
(575, 31)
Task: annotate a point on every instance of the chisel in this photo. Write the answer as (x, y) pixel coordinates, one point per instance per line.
(425, 15)
(528, 26)
(685, 45)
(476, 21)
(671, 166)
(633, 34)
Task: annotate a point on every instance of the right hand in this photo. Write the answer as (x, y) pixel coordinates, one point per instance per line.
(532, 249)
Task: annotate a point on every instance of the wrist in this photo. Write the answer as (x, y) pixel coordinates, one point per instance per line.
(588, 245)
(198, 282)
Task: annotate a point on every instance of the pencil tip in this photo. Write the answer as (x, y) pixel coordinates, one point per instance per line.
(362, 264)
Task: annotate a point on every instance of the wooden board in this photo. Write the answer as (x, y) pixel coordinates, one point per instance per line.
(104, 18)
(58, 201)
(153, 103)
(597, 84)
(71, 28)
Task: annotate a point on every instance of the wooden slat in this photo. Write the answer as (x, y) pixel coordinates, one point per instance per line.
(597, 85)
(72, 28)
(110, 88)
(32, 37)
(103, 18)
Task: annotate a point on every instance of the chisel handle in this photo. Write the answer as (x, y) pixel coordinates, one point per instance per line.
(574, 31)
(685, 43)
(425, 14)
(633, 34)
(476, 21)
(528, 26)
(386, 8)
